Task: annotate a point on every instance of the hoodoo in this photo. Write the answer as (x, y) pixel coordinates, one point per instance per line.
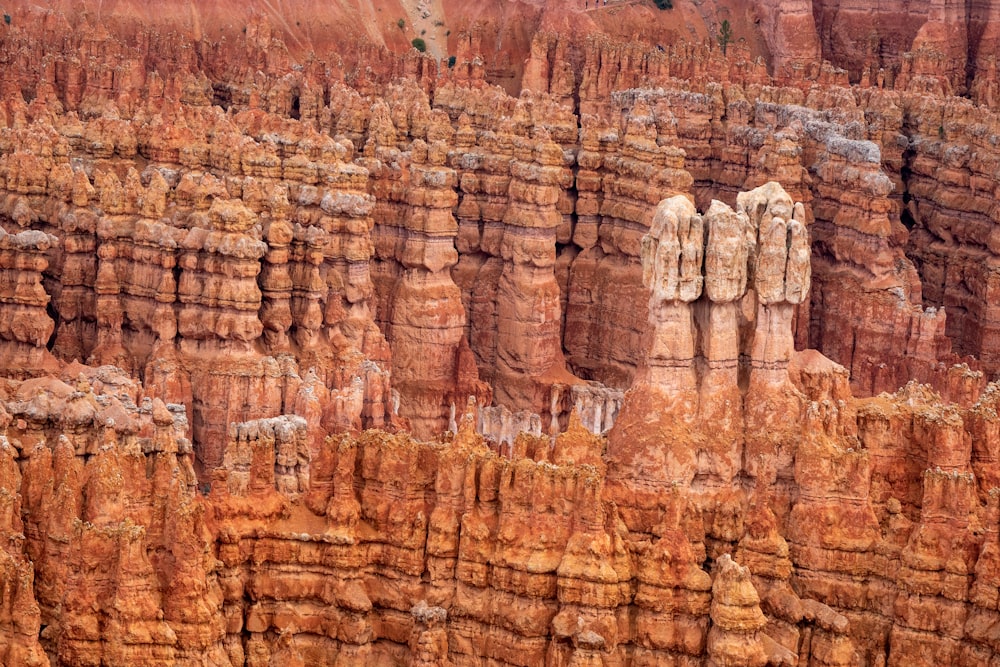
(571, 334)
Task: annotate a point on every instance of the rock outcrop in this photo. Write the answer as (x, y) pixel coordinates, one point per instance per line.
(316, 352)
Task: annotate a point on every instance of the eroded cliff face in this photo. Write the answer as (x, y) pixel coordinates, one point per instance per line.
(655, 361)
(738, 512)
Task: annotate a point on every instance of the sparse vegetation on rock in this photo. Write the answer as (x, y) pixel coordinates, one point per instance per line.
(725, 36)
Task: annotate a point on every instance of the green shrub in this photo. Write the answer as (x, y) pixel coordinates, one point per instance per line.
(401, 23)
(725, 36)
(419, 44)
(451, 61)
(664, 4)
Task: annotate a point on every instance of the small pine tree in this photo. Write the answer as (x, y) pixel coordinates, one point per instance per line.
(401, 23)
(664, 4)
(451, 61)
(725, 36)
(419, 44)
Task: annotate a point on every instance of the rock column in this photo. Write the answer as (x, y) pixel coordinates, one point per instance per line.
(671, 268)
(529, 347)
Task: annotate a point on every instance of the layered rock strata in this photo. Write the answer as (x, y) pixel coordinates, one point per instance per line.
(726, 132)
(379, 547)
(219, 277)
(277, 251)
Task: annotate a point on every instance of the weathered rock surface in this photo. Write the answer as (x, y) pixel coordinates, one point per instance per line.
(312, 352)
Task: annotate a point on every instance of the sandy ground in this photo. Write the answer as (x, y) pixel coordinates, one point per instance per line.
(427, 20)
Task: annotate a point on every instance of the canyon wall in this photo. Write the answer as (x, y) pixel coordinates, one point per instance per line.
(741, 510)
(317, 352)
